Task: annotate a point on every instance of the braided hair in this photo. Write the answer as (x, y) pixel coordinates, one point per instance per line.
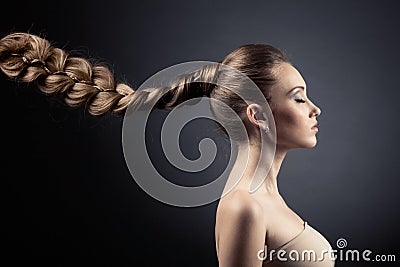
(29, 58)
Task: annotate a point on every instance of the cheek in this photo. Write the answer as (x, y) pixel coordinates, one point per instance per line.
(287, 119)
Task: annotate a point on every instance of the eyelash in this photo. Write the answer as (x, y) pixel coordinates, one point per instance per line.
(299, 100)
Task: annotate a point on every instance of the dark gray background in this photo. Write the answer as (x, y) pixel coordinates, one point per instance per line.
(68, 198)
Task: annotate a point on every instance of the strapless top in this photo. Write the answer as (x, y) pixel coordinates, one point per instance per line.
(307, 249)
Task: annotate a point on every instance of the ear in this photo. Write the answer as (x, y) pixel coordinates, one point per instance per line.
(256, 115)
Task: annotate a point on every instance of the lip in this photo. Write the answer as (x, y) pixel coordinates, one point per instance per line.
(315, 128)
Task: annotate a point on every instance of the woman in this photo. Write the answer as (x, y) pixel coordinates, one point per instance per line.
(251, 229)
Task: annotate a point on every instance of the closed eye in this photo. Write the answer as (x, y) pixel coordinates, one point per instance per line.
(299, 100)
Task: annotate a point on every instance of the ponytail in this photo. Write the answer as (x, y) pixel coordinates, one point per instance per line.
(30, 58)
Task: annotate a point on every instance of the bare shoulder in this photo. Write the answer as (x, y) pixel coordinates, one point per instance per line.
(240, 204)
(240, 209)
(240, 229)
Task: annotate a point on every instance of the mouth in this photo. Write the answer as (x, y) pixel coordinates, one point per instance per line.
(315, 128)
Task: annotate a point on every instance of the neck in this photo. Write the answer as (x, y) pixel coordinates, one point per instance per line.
(266, 173)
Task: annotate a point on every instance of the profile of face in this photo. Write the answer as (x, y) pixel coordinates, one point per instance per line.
(294, 113)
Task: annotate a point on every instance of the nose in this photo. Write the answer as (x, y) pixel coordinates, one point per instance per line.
(315, 111)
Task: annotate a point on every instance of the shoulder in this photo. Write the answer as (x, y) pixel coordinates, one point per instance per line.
(240, 229)
(239, 210)
(240, 205)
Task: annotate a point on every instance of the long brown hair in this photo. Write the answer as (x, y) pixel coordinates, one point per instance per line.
(29, 58)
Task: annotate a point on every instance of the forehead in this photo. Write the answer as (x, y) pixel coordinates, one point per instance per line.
(287, 78)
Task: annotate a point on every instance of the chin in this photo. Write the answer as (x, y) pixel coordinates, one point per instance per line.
(312, 144)
(309, 144)
(303, 143)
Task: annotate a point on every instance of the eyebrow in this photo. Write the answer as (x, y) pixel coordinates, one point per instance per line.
(294, 88)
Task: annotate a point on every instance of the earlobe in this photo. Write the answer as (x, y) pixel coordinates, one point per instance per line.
(262, 122)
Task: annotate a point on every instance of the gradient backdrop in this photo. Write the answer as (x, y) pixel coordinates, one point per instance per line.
(68, 198)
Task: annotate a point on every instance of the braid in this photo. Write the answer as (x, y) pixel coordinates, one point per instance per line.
(30, 58)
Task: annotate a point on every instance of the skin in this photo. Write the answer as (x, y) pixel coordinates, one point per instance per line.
(246, 222)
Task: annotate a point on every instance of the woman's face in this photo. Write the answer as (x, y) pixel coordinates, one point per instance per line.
(294, 113)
